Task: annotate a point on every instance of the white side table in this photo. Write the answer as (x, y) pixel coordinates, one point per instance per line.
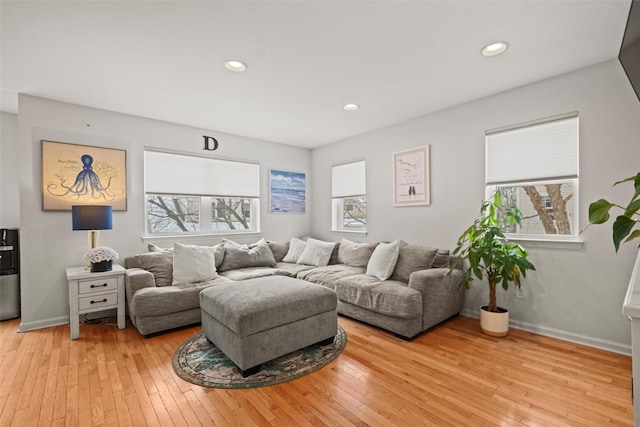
(89, 292)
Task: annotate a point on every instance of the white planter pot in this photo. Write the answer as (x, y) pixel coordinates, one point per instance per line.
(494, 324)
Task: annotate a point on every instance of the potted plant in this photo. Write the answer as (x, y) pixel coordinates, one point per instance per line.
(623, 226)
(490, 255)
(101, 259)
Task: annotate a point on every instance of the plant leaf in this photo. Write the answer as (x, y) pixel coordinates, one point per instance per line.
(634, 235)
(632, 208)
(621, 229)
(599, 211)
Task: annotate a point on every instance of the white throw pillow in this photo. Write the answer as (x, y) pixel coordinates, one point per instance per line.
(383, 260)
(316, 252)
(193, 264)
(296, 247)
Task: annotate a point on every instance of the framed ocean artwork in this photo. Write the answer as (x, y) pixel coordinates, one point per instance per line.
(287, 192)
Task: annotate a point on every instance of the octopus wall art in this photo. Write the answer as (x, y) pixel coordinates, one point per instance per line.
(79, 174)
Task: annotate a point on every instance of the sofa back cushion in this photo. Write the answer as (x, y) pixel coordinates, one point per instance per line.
(412, 258)
(355, 254)
(160, 264)
(239, 256)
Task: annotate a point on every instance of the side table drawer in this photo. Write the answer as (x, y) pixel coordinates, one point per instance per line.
(97, 285)
(97, 301)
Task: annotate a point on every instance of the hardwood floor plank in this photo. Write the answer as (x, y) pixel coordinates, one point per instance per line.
(449, 376)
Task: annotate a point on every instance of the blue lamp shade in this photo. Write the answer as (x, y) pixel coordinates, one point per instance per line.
(91, 217)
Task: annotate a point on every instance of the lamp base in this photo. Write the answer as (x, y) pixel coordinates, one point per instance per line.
(100, 267)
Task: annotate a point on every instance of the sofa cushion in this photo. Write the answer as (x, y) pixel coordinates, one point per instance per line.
(329, 274)
(170, 299)
(240, 256)
(160, 264)
(292, 269)
(412, 258)
(252, 273)
(278, 249)
(391, 298)
(355, 254)
(383, 260)
(316, 252)
(192, 264)
(296, 247)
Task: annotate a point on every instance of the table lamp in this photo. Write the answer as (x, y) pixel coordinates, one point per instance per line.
(91, 218)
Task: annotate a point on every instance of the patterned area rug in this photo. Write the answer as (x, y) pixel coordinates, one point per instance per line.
(200, 362)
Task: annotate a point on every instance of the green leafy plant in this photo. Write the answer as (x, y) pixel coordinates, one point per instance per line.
(623, 226)
(488, 252)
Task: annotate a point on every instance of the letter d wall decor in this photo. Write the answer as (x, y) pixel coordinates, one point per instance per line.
(210, 143)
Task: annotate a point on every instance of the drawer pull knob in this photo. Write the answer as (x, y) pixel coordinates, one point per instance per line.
(99, 302)
(104, 285)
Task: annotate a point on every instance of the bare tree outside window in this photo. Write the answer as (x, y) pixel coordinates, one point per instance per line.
(546, 208)
(230, 214)
(354, 212)
(170, 214)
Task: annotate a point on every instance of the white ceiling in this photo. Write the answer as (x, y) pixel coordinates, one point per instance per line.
(396, 59)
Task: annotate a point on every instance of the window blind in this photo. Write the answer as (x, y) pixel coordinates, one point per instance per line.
(544, 150)
(348, 179)
(170, 173)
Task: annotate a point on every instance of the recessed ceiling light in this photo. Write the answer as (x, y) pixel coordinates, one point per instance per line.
(351, 107)
(494, 49)
(235, 66)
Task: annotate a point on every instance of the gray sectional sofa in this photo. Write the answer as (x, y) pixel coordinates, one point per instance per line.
(403, 288)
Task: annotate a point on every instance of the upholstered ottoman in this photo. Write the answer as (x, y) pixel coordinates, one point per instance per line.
(257, 320)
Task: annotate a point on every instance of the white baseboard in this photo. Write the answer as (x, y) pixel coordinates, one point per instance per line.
(562, 335)
(41, 324)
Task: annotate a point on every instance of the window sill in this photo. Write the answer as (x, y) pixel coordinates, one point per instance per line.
(197, 238)
(363, 232)
(547, 243)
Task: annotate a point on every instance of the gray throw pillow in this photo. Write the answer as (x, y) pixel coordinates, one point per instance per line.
(355, 254)
(441, 260)
(278, 249)
(239, 256)
(412, 258)
(160, 264)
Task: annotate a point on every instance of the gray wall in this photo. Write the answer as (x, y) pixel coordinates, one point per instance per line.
(48, 243)
(9, 189)
(577, 292)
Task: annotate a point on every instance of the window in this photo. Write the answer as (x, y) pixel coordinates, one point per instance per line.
(349, 200)
(535, 167)
(193, 194)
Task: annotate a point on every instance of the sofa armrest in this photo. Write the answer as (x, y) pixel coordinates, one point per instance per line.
(136, 279)
(442, 295)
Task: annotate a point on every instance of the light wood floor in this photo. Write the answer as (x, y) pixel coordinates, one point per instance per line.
(452, 375)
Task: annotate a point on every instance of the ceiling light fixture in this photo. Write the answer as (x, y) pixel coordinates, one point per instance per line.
(494, 49)
(235, 66)
(351, 107)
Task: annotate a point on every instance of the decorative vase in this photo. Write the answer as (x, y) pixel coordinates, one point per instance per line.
(99, 267)
(494, 324)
